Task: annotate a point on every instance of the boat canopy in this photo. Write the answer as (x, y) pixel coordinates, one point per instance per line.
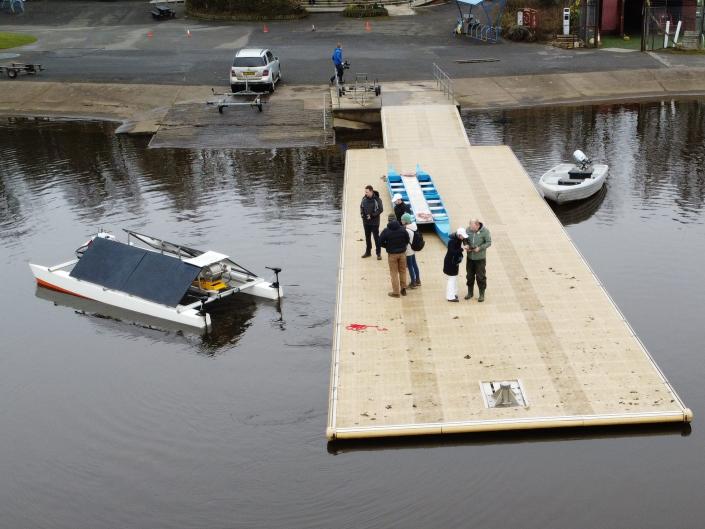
(206, 258)
(142, 273)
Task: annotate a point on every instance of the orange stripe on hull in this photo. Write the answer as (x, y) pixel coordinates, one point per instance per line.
(44, 284)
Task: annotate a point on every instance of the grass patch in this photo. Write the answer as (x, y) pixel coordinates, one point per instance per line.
(615, 41)
(11, 40)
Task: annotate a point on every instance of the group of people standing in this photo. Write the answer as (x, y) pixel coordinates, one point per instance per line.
(473, 240)
(402, 239)
(399, 239)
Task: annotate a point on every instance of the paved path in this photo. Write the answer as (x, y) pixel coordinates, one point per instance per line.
(111, 42)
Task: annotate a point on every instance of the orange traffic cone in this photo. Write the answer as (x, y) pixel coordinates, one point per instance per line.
(265, 29)
(149, 34)
(368, 26)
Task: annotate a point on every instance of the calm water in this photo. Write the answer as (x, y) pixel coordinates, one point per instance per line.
(107, 424)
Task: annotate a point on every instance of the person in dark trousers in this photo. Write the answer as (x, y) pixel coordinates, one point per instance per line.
(337, 59)
(370, 209)
(451, 263)
(414, 275)
(395, 239)
(479, 239)
(400, 207)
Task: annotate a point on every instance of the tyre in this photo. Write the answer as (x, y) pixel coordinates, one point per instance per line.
(11, 73)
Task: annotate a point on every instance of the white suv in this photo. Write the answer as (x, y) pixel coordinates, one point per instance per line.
(257, 66)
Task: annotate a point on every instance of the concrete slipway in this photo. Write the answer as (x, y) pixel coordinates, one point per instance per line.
(547, 321)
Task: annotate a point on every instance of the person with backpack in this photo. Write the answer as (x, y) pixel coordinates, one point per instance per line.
(451, 263)
(370, 209)
(416, 243)
(395, 239)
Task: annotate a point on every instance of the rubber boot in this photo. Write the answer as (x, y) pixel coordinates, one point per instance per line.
(482, 296)
(470, 294)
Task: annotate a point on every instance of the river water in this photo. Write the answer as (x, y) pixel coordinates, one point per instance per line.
(107, 423)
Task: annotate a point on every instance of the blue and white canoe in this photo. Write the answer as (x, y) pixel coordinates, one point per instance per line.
(418, 190)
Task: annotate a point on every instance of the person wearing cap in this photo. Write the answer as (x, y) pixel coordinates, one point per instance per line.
(408, 222)
(400, 207)
(479, 239)
(451, 263)
(370, 209)
(395, 240)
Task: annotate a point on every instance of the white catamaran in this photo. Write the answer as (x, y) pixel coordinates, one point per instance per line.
(154, 277)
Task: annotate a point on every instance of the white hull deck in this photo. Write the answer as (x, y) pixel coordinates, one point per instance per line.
(58, 279)
(560, 194)
(199, 279)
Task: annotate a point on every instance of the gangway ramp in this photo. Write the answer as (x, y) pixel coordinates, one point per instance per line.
(423, 365)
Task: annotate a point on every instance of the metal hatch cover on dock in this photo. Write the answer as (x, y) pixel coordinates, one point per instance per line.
(548, 330)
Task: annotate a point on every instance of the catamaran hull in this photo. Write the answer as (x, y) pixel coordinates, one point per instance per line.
(61, 281)
(561, 194)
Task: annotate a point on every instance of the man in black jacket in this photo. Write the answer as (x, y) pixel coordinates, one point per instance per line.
(400, 207)
(395, 239)
(370, 210)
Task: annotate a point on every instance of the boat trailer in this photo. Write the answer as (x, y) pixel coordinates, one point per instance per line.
(229, 99)
(12, 69)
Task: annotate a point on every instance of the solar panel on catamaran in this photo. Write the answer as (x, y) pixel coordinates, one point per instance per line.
(143, 273)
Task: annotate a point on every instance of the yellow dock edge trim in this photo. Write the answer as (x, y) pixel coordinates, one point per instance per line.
(402, 430)
(333, 390)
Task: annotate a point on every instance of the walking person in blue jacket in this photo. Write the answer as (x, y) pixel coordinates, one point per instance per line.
(338, 62)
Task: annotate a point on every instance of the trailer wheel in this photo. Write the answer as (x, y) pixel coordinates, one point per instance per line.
(11, 73)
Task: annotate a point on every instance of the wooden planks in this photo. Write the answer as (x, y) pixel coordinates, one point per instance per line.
(547, 321)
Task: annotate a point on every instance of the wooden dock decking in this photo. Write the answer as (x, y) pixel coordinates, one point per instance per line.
(546, 321)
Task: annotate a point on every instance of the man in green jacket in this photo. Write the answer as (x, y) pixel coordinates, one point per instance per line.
(478, 241)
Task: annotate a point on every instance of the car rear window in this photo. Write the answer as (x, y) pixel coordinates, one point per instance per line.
(249, 61)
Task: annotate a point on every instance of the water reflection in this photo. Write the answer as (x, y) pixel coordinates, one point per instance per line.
(581, 210)
(230, 319)
(654, 150)
(100, 176)
(61, 181)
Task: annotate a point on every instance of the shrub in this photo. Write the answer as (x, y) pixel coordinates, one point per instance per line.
(365, 10)
(520, 33)
(245, 9)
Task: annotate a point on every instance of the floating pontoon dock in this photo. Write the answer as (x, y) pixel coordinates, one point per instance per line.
(547, 329)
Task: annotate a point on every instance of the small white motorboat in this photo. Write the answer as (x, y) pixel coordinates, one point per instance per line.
(568, 182)
(154, 277)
